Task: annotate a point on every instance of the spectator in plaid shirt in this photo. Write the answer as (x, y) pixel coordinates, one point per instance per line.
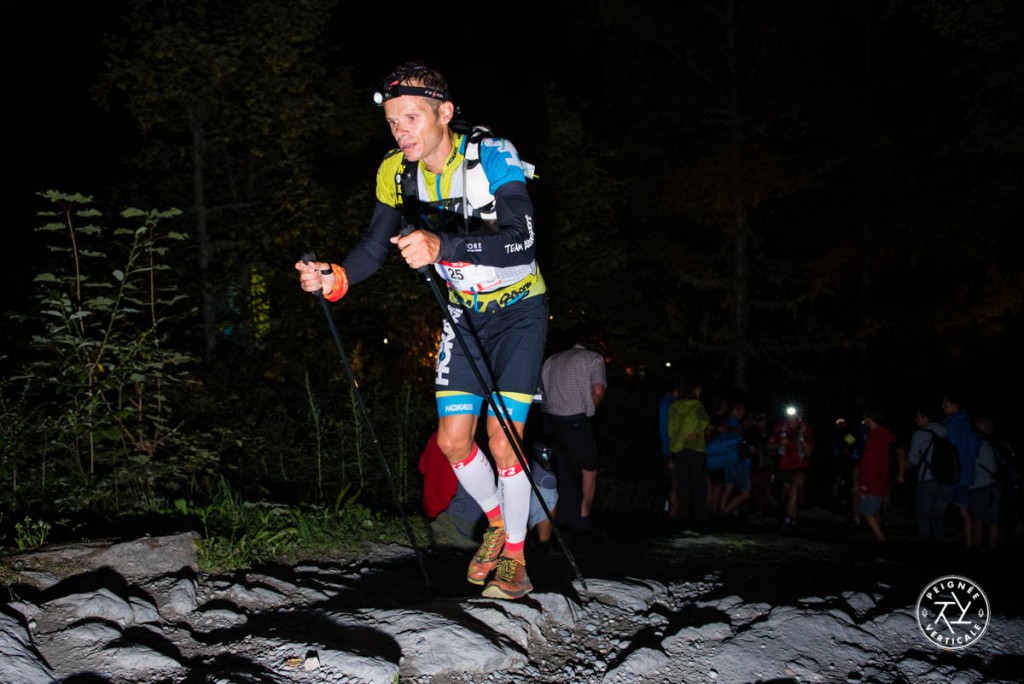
(574, 384)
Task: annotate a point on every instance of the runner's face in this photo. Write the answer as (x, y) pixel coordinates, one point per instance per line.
(421, 133)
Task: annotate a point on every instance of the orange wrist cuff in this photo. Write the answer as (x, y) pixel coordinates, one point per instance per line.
(340, 284)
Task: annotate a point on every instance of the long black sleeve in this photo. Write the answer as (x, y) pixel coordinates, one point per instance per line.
(367, 256)
(513, 244)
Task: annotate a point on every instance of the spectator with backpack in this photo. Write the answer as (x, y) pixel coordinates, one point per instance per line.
(961, 433)
(986, 496)
(932, 494)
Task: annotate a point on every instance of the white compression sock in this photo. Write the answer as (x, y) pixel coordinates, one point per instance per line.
(476, 476)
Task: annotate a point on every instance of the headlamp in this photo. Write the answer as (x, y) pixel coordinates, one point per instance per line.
(396, 90)
(791, 411)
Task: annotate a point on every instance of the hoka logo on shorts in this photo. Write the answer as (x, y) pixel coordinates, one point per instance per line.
(444, 354)
(459, 408)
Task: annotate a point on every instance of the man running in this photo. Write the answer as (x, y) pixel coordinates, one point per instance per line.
(459, 203)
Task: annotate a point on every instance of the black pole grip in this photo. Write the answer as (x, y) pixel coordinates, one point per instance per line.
(407, 229)
(311, 256)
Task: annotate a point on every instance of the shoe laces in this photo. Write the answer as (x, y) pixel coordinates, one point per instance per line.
(506, 570)
(492, 542)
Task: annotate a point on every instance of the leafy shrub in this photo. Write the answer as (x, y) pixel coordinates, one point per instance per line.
(89, 421)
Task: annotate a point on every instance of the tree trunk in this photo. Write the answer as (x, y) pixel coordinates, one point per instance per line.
(202, 235)
(740, 287)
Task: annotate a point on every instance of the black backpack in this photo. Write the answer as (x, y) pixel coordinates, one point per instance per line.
(944, 460)
(1004, 477)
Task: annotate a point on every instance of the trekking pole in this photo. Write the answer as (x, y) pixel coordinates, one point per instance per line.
(499, 411)
(306, 258)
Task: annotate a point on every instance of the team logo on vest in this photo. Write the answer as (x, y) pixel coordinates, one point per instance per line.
(514, 295)
(952, 612)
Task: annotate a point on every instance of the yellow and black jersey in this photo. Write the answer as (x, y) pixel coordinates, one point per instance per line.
(487, 244)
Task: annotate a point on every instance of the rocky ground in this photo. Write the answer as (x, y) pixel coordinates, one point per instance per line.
(636, 602)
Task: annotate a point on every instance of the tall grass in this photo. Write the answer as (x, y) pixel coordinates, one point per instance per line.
(238, 533)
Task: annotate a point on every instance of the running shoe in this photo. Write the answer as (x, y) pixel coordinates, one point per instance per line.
(487, 555)
(510, 581)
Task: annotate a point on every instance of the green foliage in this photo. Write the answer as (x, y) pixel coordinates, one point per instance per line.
(31, 534)
(90, 418)
(239, 533)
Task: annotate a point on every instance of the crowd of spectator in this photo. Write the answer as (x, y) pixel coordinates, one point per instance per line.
(726, 464)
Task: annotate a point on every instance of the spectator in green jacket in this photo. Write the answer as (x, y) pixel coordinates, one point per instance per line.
(687, 426)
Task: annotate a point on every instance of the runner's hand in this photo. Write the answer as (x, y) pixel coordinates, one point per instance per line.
(315, 276)
(419, 248)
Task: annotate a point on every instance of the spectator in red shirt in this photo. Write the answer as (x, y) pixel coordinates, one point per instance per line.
(874, 470)
(793, 441)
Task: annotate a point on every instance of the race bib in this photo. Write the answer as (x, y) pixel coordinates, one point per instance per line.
(469, 277)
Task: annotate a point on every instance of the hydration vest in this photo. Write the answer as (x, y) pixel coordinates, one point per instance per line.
(476, 206)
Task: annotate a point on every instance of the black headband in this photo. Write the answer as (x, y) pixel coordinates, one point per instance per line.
(397, 90)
